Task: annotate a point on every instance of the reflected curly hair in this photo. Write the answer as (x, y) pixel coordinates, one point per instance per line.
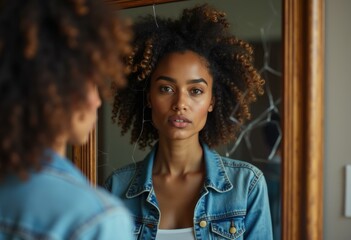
(205, 31)
(49, 51)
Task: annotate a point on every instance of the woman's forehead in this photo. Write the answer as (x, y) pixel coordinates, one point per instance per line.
(184, 65)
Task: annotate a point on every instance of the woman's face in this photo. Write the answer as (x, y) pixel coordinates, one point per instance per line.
(84, 118)
(180, 95)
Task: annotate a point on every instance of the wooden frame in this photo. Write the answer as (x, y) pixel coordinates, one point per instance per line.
(137, 3)
(302, 178)
(302, 208)
(84, 157)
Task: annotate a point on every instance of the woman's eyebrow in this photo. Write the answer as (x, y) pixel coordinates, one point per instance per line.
(191, 81)
(199, 80)
(169, 79)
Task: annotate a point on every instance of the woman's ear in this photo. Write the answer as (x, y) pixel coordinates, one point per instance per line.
(210, 108)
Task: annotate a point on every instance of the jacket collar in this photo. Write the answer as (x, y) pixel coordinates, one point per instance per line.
(216, 176)
(60, 165)
(142, 181)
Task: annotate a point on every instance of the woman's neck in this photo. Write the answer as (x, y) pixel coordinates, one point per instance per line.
(59, 146)
(178, 157)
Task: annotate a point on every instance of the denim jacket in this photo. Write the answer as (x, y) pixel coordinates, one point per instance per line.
(233, 203)
(58, 203)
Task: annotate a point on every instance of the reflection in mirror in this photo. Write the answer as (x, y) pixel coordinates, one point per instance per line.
(258, 141)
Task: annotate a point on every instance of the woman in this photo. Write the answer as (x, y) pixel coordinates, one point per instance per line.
(55, 57)
(188, 77)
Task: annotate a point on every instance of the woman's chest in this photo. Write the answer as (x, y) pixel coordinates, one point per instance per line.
(177, 198)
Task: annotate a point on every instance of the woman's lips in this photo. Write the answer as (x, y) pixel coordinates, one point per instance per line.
(179, 121)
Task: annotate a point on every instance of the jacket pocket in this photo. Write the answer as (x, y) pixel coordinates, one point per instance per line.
(232, 228)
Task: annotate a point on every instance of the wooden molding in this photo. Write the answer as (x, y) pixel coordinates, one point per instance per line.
(136, 3)
(84, 157)
(302, 207)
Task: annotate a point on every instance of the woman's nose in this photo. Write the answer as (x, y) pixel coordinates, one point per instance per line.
(180, 103)
(95, 97)
(98, 101)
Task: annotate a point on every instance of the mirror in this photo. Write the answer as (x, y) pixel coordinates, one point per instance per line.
(301, 111)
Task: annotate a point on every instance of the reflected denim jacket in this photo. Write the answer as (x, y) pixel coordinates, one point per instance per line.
(233, 203)
(58, 203)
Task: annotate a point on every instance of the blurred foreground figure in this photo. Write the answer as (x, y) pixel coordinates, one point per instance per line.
(56, 57)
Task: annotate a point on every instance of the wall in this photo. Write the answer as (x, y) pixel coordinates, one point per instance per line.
(337, 117)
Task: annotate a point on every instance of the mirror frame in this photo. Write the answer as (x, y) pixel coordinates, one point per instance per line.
(136, 3)
(303, 137)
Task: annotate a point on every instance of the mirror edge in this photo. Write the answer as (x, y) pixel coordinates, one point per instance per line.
(302, 206)
(85, 157)
(137, 3)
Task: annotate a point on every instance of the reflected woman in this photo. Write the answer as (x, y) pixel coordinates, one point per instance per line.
(189, 78)
(55, 56)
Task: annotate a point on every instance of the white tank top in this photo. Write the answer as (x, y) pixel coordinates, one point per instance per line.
(175, 234)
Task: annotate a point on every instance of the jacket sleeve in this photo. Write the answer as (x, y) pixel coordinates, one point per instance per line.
(258, 222)
(112, 224)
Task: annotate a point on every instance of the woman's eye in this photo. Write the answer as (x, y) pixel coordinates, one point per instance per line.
(196, 91)
(166, 89)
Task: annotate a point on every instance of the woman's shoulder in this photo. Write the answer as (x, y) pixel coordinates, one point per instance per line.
(120, 178)
(241, 172)
(215, 158)
(240, 165)
(235, 163)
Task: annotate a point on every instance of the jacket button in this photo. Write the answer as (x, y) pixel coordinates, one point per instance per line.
(232, 230)
(150, 225)
(203, 224)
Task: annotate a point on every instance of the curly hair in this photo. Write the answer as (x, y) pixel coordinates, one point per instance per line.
(49, 50)
(205, 31)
